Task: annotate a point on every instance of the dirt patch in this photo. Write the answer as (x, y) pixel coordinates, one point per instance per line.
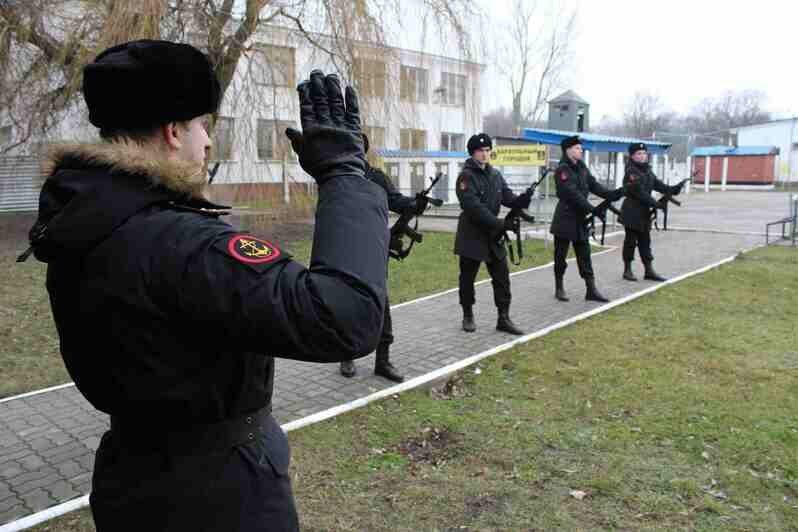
(484, 504)
(435, 446)
(452, 388)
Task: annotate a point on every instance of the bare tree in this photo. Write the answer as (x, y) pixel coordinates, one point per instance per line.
(534, 56)
(731, 109)
(645, 114)
(44, 44)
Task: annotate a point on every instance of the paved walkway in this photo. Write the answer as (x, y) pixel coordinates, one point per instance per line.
(47, 440)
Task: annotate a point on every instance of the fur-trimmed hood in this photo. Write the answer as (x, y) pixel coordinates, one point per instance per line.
(183, 177)
(91, 189)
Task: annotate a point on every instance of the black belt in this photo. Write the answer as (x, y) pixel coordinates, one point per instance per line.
(193, 439)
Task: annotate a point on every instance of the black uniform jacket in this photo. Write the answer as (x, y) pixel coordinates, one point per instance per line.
(638, 182)
(165, 313)
(574, 184)
(397, 202)
(481, 192)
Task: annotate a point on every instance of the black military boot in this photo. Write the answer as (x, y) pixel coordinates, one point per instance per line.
(468, 320)
(384, 368)
(628, 274)
(559, 290)
(592, 293)
(504, 323)
(348, 368)
(652, 275)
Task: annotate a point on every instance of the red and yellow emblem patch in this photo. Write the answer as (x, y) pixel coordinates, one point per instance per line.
(463, 184)
(563, 175)
(252, 250)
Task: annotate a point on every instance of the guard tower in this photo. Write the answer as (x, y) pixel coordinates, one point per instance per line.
(569, 112)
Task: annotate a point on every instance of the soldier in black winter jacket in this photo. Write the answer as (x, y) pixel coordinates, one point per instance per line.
(482, 191)
(398, 203)
(638, 182)
(168, 317)
(574, 184)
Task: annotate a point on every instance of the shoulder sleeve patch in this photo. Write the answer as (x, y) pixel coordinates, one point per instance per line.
(563, 175)
(255, 252)
(463, 184)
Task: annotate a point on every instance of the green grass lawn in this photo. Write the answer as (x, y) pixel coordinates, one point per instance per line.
(677, 411)
(29, 343)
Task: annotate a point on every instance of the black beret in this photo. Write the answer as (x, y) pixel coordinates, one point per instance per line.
(480, 140)
(637, 146)
(567, 142)
(147, 83)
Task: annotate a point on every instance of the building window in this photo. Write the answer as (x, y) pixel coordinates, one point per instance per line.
(441, 190)
(369, 77)
(222, 149)
(453, 88)
(417, 180)
(273, 66)
(392, 171)
(413, 86)
(272, 142)
(5, 135)
(376, 136)
(412, 139)
(452, 142)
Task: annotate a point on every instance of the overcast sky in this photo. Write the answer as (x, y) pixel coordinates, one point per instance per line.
(682, 50)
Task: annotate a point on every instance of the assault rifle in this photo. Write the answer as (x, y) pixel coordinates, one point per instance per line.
(212, 172)
(662, 204)
(515, 216)
(401, 228)
(602, 209)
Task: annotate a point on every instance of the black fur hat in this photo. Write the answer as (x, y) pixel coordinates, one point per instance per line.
(480, 140)
(567, 142)
(637, 146)
(147, 83)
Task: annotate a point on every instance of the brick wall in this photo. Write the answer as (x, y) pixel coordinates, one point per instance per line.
(743, 170)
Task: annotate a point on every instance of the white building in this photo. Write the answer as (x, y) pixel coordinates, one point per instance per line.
(418, 107)
(780, 133)
(418, 110)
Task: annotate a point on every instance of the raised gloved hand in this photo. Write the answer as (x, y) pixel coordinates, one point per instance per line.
(616, 194)
(330, 143)
(675, 190)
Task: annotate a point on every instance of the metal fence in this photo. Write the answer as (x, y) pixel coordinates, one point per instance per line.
(789, 224)
(20, 183)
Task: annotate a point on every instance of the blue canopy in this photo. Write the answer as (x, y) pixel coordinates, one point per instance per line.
(593, 142)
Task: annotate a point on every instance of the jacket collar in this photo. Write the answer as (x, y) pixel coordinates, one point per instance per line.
(187, 179)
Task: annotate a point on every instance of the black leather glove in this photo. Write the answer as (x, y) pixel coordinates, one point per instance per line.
(616, 194)
(523, 200)
(330, 143)
(675, 190)
(509, 223)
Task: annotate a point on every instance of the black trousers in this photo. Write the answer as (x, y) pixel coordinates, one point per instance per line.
(637, 239)
(241, 489)
(583, 261)
(500, 278)
(386, 336)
